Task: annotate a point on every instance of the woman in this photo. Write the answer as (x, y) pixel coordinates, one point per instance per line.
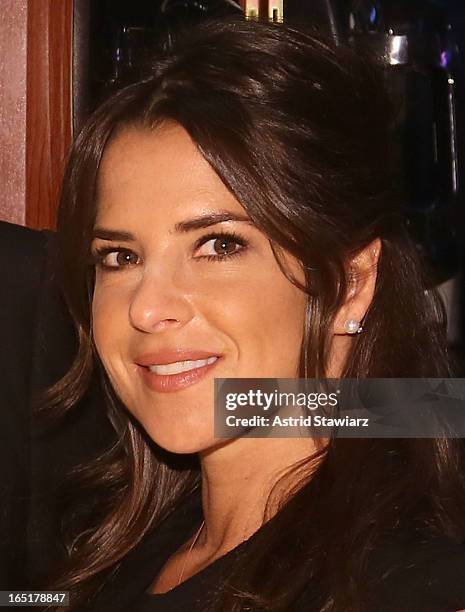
(234, 215)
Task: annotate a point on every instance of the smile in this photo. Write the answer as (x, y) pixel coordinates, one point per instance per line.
(180, 366)
(171, 377)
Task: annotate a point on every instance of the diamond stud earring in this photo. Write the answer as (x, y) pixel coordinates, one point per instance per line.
(352, 326)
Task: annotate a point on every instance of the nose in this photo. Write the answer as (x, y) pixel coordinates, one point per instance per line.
(156, 304)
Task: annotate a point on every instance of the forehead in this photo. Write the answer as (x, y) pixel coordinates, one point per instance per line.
(157, 170)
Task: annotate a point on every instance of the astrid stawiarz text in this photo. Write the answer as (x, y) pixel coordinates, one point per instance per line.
(301, 421)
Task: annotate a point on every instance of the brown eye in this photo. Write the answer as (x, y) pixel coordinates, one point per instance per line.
(224, 246)
(221, 246)
(115, 258)
(124, 258)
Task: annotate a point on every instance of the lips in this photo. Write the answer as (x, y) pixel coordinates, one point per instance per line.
(165, 356)
(168, 383)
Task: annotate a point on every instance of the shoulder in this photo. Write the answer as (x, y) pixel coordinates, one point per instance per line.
(23, 242)
(13, 232)
(23, 252)
(23, 259)
(418, 572)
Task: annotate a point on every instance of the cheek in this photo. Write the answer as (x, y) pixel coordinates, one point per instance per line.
(108, 315)
(264, 319)
(280, 322)
(109, 329)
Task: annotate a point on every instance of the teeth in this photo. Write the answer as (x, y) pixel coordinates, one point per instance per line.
(180, 366)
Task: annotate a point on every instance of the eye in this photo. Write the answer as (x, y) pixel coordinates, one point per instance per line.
(114, 258)
(221, 246)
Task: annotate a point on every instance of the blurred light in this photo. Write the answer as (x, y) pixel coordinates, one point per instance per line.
(275, 10)
(373, 15)
(397, 50)
(251, 9)
(444, 59)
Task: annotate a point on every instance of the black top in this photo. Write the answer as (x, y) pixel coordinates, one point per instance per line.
(38, 344)
(429, 574)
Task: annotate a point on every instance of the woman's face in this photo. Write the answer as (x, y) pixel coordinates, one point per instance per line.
(172, 286)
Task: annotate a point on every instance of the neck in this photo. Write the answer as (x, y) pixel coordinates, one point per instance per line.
(237, 480)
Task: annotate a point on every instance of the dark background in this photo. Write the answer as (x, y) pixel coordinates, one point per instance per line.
(113, 38)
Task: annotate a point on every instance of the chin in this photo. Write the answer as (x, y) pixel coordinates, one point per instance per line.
(184, 444)
(186, 449)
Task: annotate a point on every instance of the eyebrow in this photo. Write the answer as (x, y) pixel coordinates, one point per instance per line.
(182, 227)
(210, 219)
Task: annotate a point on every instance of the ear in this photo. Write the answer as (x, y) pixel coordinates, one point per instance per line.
(362, 273)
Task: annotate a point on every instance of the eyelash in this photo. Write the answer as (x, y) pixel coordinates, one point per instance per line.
(100, 253)
(232, 236)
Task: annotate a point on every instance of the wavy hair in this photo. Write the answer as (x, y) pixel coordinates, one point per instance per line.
(302, 132)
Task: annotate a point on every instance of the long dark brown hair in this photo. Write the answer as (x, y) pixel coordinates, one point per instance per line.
(302, 133)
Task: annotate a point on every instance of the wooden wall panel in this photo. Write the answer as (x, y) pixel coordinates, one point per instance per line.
(13, 29)
(49, 116)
